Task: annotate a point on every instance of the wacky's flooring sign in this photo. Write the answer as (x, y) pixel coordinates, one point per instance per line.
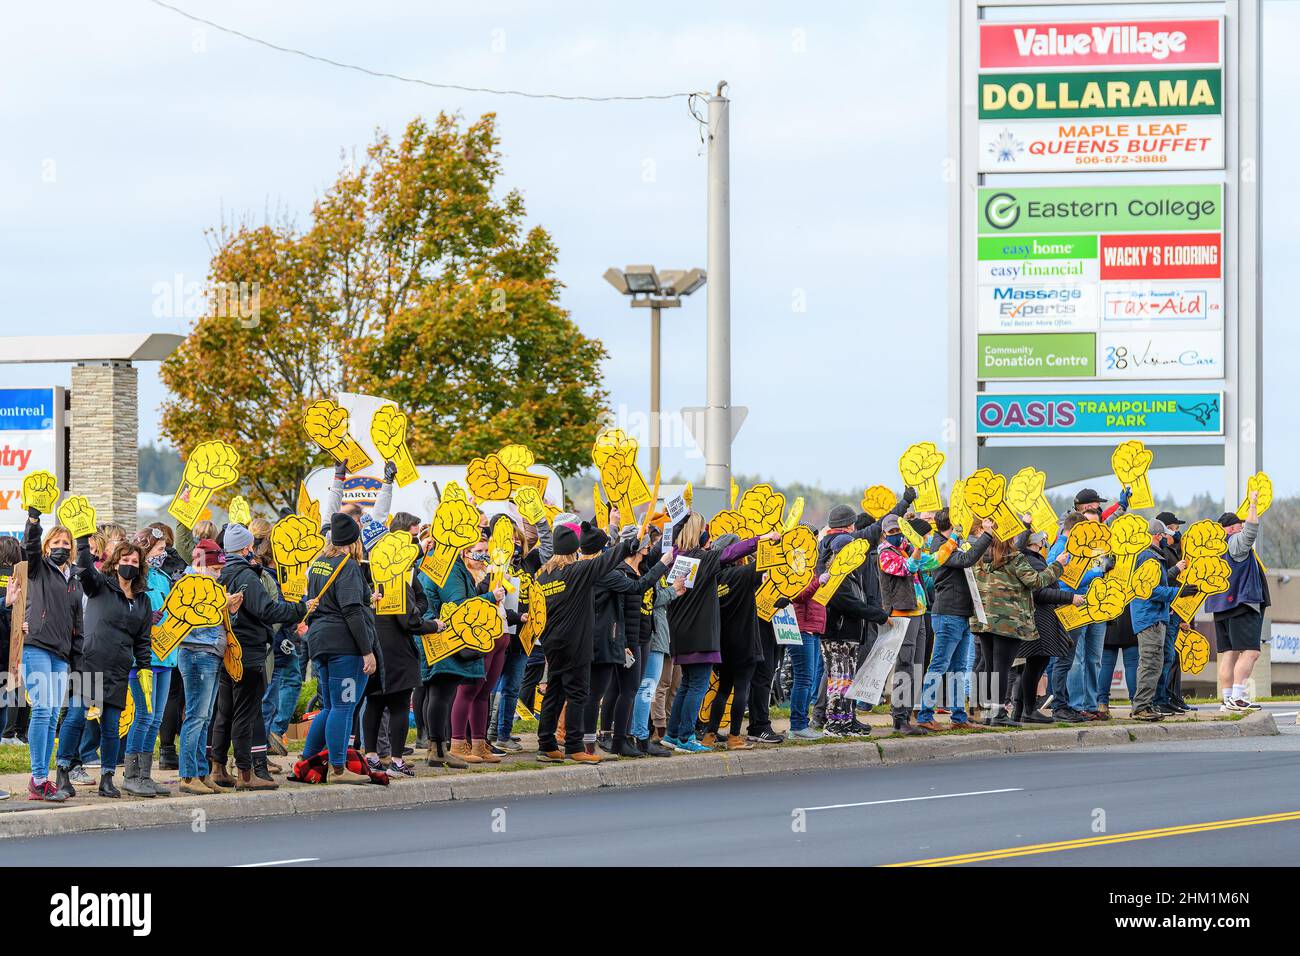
(1101, 95)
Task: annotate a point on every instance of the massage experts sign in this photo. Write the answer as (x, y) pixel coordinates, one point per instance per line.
(1101, 95)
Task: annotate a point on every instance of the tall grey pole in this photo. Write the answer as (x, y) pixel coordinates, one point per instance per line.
(717, 429)
(654, 392)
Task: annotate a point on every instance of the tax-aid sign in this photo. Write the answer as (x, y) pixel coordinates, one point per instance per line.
(1080, 414)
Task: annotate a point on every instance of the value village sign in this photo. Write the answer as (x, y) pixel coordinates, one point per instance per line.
(1101, 96)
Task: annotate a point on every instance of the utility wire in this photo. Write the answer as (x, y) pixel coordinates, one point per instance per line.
(409, 79)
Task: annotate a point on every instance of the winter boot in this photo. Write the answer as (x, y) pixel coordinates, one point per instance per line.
(131, 782)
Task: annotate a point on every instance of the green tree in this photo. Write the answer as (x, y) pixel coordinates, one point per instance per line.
(413, 281)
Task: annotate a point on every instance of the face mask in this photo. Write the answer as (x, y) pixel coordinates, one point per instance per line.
(59, 556)
(894, 539)
(128, 572)
(157, 560)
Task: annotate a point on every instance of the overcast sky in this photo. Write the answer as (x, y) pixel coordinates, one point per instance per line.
(129, 130)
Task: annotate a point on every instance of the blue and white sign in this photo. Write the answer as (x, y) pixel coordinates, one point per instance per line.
(1082, 414)
(31, 439)
(1284, 645)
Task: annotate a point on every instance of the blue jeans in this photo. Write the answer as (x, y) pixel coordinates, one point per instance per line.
(342, 685)
(1086, 669)
(46, 679)
(686, 705)
(1059, 671)
(1108, 658)
(512, 677)
(952, 640)
(143, 735)
(1163, 696)
(200, 672)
(645, 695)
(110, 740)
(806, 666)
(281, 694)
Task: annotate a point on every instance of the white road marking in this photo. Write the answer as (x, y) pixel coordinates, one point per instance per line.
(1286, 713)
(301, 859)
(936, 796)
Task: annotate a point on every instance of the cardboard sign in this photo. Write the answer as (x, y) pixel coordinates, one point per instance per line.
(686, 568)
(919, 466)
(476, 623)
(1072, 616)
(326, 423)
(40, 491)
(533, 628)
(614, 454)
(1129, 537)
(868, 683)
(239, 511)
(295, 541)
(233, 660)
(878, 501)
(785, 625)
(390, 566)
(1257, 482)
(762, 509)
(388, 433)
(529, 503)
(677, 509)
(1130, 461)
(77, 516)
(958, 514)
(211, 466)
(1209, 574)
(195, 600)
(455, 526)
(847, 560)
(984, 494)
(600, 510)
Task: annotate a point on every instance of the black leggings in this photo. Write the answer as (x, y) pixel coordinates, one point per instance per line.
(618, 688)
(601, 675)
(398, 706)
(1029, 677)
(729, 678)
(417, 705)
(999, 652)
(439, 693)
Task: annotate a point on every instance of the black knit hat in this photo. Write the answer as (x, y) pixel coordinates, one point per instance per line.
(564, 541)
(343, 530)
(920, 526)
(841, 516)
(593, 540)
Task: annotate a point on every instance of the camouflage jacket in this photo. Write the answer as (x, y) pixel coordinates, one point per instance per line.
(1008, 596)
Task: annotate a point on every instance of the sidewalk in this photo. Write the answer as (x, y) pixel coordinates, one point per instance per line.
(521, 776)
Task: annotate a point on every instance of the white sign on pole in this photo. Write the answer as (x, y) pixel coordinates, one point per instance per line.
(786, 626)
(869, 681)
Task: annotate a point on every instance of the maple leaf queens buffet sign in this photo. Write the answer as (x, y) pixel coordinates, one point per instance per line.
(1101, 95)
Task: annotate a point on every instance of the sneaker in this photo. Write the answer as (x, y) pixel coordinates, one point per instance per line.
(1069, 715)
(693, 746)
(808, 733)
(512, 746)
(767, 737)
(1148, 714)
(408, 751)
(859, 730)
(1238, 706)
(373, 764)
(583, 757)
(5, 794)
(496, 750)
(346, 776)
(653, 748)
(605, 741)
(92, 765)
(1164, 710)
(1036, 717)
(400, 768)
(837, 729)
(671, 743)
(10, 741)
(79, 777)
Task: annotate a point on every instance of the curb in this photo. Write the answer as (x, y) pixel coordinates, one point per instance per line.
(624, 773)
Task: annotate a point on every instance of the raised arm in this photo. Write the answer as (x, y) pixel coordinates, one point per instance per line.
(92, 582)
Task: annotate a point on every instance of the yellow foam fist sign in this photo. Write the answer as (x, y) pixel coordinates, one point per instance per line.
(985, 495)
(1145, 579)
(796, 512)
(799, 550)
(388, 433)
(518, 459)
(1131, 460)
(958, 514)
(531, 594)
(1088, 540)
(1129, 537)
(878, 501)
(455, 526)
(239, 511)
(529, 503)
(1193, 651)
(1209, 575)
(233, 659)
(1263, 484)
(599, 510)
(501, 548)
(195, 600)
(40, 491)
(211, 466)
(308, 506)
(762, 508)
(453, 492)
(918, 466)
(488, 479)
(726, 522)
(295, 541)
(474, 624)
(326, 423)
(77, 516)
(1025, 496)
(847, 560)
(391, 559)
(614, 455)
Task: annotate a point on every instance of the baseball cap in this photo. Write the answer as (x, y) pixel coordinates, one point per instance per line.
(1228, 519)
(1168, 517)
(1088, 496)
(209, 553)
(889, 523)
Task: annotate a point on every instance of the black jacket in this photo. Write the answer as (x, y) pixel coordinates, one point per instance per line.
(117, 632)
(737, 585)
(850, 610)
(398, 639)
(951, 590)
(254, 622)
(54, 615)
(617, 601)
(570, 611)
(1046, 601)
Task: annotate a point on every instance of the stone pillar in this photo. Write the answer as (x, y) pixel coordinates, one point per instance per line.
(104, 452)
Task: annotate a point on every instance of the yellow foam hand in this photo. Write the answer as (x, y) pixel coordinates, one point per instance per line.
(688, 495)
(878, 501)
(600, 510)
(308, 506)
(735, 492)
(195, 600)
(233, 660)
(1087, 540)
(910, 533)
(1209, 574)
(1263, 484)
(488, 479)
(517, 457)
(616, 478)
(529, 502)
(501, 547)
(796, 512)
(799, 546)
(40, 491)
(726, 522)
(77, 516)
(1205, 538)
(475, 622)
(1131, 460)
(392, 556)
(847, 560)
(985, 496)
(326, 423)
(958, 514)
(388, 427)
(1145, 579)
(453, 492)
(239, 511)
(455, 526)
(295, 540)
(762, 508)
(617, 444)
(1129, 537)
(1193, 651)
(534, 627)
(1106, 598)
(211, 466)
(918, 466)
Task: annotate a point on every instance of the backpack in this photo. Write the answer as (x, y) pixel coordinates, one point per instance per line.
(316, 769)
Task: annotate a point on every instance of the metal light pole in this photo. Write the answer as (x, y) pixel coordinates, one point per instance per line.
(653, 290)
(717, 433)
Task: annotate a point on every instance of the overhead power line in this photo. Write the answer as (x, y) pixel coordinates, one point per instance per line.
(411, 79)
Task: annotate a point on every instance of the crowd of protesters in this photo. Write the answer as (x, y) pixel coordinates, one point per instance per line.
(622, 667)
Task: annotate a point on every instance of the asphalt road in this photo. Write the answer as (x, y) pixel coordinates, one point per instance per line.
(994, 808)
